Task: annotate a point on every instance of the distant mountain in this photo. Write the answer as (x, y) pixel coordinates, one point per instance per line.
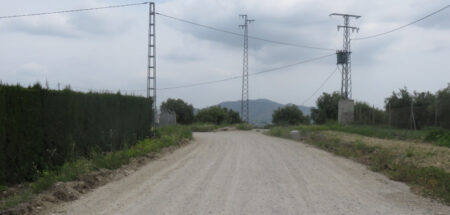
(260, 109)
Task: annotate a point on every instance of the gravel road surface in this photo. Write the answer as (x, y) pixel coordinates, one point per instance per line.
(245, 172)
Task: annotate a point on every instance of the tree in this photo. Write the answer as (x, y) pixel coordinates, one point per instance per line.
(289, 114)
(365, 114)
(400, 106)
(184, 111)
(327, 108)
(218, 115)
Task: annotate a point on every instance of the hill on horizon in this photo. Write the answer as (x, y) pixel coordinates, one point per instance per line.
(261, 109)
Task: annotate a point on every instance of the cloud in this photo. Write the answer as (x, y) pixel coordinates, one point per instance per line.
(108, 49)
(58, 25)
(69, 25)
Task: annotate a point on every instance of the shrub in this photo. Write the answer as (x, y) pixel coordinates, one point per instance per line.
(444, 140)
(73, 170)
(435, 134)
(45, 181)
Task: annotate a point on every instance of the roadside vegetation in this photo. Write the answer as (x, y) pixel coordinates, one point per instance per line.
(436, 136)
(73, 170)
(424, 166)
(391, 141)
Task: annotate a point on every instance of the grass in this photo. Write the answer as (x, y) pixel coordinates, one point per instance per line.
(437, 136)
(244, 126)
(432, 181)
(203, 127)
(15, 200)
(374, 131)
(167, 136)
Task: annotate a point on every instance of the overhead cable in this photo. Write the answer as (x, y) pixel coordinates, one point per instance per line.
(250, 74)
(241, 35)
(403, 26)
(320, 87)
(71, 11)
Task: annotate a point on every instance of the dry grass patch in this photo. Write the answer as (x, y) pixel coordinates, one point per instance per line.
(418, 153)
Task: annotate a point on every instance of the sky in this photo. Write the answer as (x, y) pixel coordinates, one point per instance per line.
(107, 49)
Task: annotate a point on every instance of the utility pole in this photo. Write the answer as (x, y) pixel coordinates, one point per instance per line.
(344, 55)
(244, 102)
(151, 68)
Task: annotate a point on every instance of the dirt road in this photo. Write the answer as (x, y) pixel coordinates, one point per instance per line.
(239, 172)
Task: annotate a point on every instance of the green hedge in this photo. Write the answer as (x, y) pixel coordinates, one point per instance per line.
(40, 129)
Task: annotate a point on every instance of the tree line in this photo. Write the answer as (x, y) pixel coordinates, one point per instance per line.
(185, 113)
(402, 109)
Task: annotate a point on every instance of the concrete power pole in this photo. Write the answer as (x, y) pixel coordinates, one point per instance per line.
(346, 105)
(244, 102)
(151, 68)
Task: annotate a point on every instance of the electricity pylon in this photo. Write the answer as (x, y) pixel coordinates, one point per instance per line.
(344, 55)
(244, 102)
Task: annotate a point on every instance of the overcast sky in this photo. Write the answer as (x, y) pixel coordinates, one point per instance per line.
(107, 49)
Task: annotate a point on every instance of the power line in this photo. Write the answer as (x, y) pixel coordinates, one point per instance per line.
(71, 11)
(255, 73)
(323, 84)
(241, 35)
(215, 81)
(403, 26)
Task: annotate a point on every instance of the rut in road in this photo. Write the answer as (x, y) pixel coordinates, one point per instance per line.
(245, 172)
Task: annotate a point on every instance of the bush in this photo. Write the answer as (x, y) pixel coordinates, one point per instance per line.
(444, 140)
(73, 170)
(45, 181)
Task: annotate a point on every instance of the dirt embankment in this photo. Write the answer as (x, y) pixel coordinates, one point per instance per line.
(70, 191)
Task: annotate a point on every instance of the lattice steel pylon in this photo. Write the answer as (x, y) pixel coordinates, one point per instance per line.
(245, 90)
(344, 55)
(151, 68)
